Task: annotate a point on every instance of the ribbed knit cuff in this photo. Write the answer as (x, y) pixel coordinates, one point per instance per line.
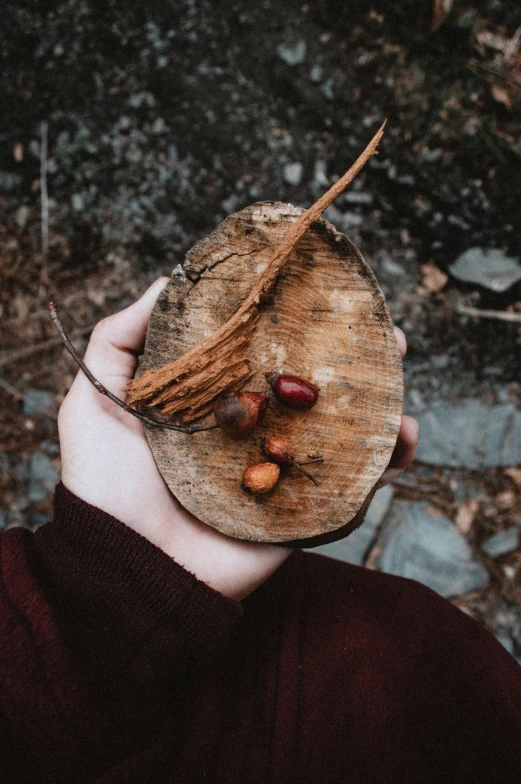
(134, 597)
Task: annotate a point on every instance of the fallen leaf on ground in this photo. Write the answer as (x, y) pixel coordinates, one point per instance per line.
(506, 500)
(514, 474)
(433, 279)
(440, 11)
(500, 94)
(466, 514)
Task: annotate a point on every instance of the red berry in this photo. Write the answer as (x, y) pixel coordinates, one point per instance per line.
(293, 391)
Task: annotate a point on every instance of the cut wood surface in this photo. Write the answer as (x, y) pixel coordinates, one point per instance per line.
(324, 320)
(188, 386)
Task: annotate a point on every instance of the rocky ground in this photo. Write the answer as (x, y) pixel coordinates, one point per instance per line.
(163, 118)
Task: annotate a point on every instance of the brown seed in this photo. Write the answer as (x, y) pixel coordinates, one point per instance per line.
(260, 478)
(237, 415)
(279, 450)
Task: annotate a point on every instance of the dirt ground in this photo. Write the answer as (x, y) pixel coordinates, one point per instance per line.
(164, 117)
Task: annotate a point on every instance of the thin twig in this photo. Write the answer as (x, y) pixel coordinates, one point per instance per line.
(104, 391)
(298, 466)
(23, 398)
(315, 459)
(22, 353)
(43, 189)
(501, 315)
(494, 71)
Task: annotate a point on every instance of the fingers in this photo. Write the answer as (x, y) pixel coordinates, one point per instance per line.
(401, 340)
(404, 451)
(118, 340)
(407, 441)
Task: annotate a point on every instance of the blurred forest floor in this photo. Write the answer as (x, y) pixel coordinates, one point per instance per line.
(164, 117)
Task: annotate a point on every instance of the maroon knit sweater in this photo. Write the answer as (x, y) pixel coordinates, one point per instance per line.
(117, 665)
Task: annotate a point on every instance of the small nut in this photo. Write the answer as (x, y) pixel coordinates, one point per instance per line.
(279, 450)
(260, 478)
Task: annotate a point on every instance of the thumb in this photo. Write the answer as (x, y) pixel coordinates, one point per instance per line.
(118, 340)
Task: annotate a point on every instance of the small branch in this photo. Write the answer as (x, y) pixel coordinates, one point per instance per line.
(11, 390)
(43, 189)
(298, 466)
(104, 391)
(488, 69)
(314, 459)
(500, 315)
(22, 353)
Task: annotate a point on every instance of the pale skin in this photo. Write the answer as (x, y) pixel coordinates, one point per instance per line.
(106, 461)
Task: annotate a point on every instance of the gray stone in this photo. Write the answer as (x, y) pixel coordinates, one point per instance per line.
(293, 54)
(431, 156)
(320, 174)
(9, 181)
(353, 548)
(430, 550)
(5, 466)
(292, 173)
(455, 220)
(316, 74)
(327, 89)
(35, 400)
(22, 215)
(43, 477)
(343, 221)
(357, 197)
(470, 434)
(22, 471)
(50, 447)
(489, 268)
(143, 98)
(77, 202)
(503, 542)
(36, 520)
(506, 641)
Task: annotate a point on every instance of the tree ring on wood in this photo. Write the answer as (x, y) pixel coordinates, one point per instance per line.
(325, 320)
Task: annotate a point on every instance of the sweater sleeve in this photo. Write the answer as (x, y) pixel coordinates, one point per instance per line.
(121, 598)
(90, 611)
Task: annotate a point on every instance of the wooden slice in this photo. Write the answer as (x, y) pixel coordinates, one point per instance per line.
(326, 321)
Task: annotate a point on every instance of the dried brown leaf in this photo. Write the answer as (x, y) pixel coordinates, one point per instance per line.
(505, 500)
(433, 279)
(440, 11)
(466, 514)
(514, 474)
(500, 95)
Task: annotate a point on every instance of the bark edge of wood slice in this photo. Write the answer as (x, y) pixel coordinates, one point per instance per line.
(325, 320)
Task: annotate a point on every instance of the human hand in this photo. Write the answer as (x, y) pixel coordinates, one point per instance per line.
(107, 462)
(407, 442)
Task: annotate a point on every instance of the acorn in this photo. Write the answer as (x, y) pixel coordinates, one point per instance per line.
(238, 415)
(260, 478)
(293, 391)
(280, 451)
